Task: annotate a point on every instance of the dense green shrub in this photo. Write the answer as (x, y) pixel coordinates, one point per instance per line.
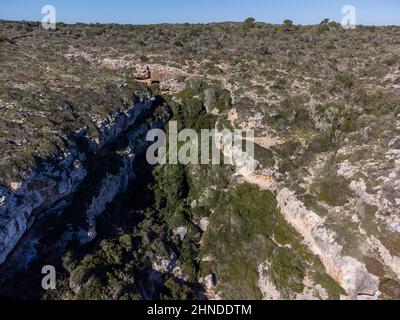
(287, 270)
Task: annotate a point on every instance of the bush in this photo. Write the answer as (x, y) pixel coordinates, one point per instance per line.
(144, 58)
(215, 71)
(333, 189)
(287, 270)
(239, 239)
(249, 20)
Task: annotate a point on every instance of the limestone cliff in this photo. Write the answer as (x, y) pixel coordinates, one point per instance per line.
(55, 181)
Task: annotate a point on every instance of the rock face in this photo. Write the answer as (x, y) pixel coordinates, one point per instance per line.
(113, 184)
(350, 273)
(162, 75)
(110, 187)
(204, 223)
(57, 179)
(210, 282)
(266, 285)
(181, 232)
(157, 74)
(39, 191)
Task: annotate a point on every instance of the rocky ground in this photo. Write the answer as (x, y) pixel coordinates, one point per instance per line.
(319, 219)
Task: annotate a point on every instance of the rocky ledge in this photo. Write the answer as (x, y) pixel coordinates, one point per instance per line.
(52, 184)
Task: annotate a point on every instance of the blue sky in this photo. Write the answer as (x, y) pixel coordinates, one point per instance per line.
(378, 12)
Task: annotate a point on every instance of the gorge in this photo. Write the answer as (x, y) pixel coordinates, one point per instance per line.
(318, 218)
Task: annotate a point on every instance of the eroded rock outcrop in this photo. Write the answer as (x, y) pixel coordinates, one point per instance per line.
(39, 191)
(351, 274)
(54, 182)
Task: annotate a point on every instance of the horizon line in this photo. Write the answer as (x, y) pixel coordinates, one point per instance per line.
(193, 23)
